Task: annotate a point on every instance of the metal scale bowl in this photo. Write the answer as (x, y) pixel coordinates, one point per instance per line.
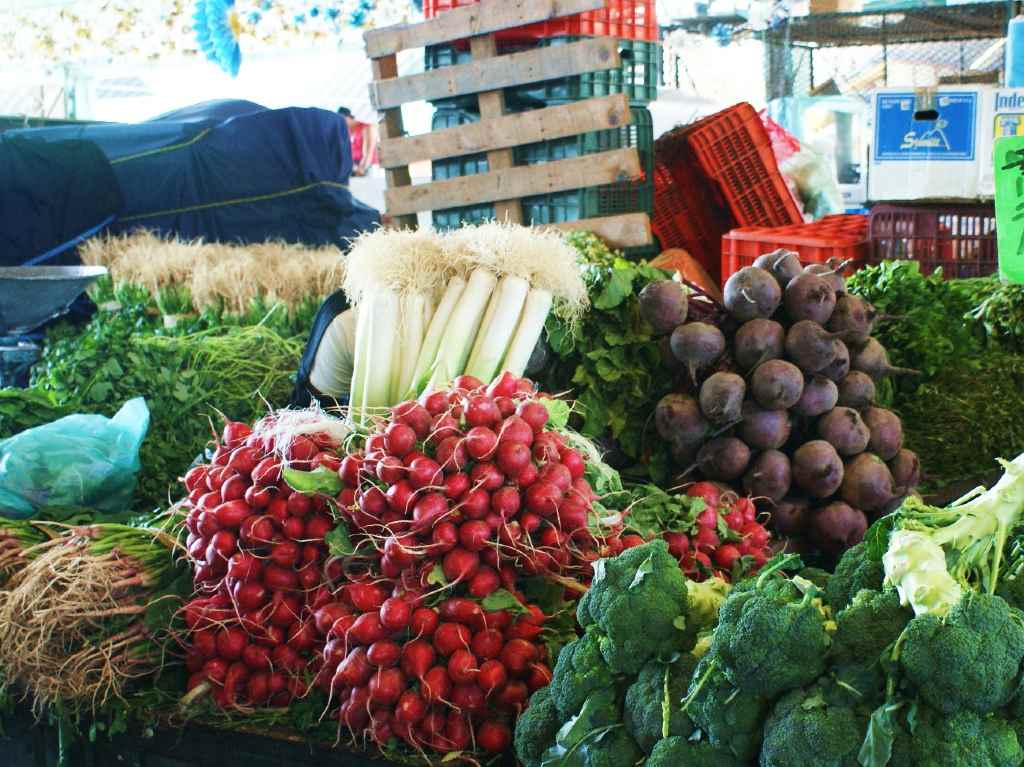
(29, 296)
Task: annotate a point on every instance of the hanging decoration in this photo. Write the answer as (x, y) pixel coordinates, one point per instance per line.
(101, 31)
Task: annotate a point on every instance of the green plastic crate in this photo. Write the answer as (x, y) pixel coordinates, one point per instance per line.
(556, 207)
(638, 77)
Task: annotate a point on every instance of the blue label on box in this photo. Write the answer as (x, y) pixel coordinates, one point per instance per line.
(941, 130)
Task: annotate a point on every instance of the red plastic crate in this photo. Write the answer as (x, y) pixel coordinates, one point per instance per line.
(627, 19)
(961, 239)
(733, 148)
(844, 238)
(685, 216)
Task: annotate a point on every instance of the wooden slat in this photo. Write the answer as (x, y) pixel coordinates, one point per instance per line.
(513, 183)
(471, 20)
(602, 113)
(532, 66)
(626, 230)
(492, 107)
(391, 127)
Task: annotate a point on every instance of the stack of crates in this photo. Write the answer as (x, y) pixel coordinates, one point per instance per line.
(633, 22)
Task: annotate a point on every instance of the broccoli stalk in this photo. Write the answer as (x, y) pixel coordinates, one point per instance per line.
(970, 534)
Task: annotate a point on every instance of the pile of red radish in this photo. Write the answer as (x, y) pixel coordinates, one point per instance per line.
(259, 562)
(420, 631)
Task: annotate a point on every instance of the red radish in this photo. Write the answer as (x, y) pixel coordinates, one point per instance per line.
(492, 676)
(256, 531)
(286, 607)
(223, 543)
(195, 477)
(461, 610)
(386, 686)
(299, 505)
(515, 429)
(484, 583)
(400, 497)
(317, 526)
(467, 383)
(329, 461)
(286, 554)
(708, 518)
(457, 732)
(348, 472)
(436, 686)
(481, 443)
(678, 544)
(456, 485)
(556, 474)
(204, 642)
(258, 497)
(267, 472)
(244, 460)
(706, 539)
(726, 556)
(395, 614)
(517, 655)
(469, 698)
(540, 676)
(462, 667)
(460, 564)
(346, 498)
(523, 630)
(513, 695)
(425, 472)
(366, 597)
(444, 538)
(325, 617)
(372, 501)
(513, 457)
(429, 510)
(450, 637)
(334, 652)
(391, 469)
(231, 643)
(215, 670)
(451, 454)
(417, 657)
(434, 722)
(573, 461)
(235, 433)
(302, 451)
(302, 637)
(755, 533)
(412, 414)
(277, 578)
(436, 403)
(424, 622)
(399, 439)
(355, 670)
(546, 448)
(543, 498)
(384, 652)
(734, 519)
(494, 737)
(410, 708)
(475, 504)
(535, 415)
(220, 456)
(572, 516)
(367, 629)
(474, 535)
(234, 489)
(487, 644)
(207, 524)
(506, 406)
(250, 595)
(278, 509)
(244, 566)
(527, 476)
(481, 411)
(503, 386)
(486, 476)
(709, 491)
(294, 528)
(442, 427)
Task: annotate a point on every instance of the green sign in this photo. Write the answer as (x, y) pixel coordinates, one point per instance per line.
(1009, 168)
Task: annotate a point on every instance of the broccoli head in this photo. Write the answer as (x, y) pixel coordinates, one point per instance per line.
(817, 576)
(638, 601)
(854, 571)
(614, 748)
(961, 740)
(969, 659)
(871, 622)
(536, 728)
(579, 671)
(863, 681)
(816, 726)
(659, 685)
(676, 752)
(730, 719)
(773, 636)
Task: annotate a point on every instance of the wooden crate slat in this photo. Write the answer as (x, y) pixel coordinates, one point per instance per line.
(532, 66)
(391, 127)
(601, 113)
(468, 21)
(514, 183)
(626, 230)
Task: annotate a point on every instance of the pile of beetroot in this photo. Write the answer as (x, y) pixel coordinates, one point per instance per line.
(395, 588)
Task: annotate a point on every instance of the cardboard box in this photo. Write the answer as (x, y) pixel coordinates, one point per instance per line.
(1003, 116)
(926, 144)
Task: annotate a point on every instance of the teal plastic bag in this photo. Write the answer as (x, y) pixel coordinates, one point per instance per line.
(76, 462)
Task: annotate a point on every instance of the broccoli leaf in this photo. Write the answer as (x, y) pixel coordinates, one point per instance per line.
(877, 747)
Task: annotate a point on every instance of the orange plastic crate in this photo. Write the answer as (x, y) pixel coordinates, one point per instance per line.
(733, 148)
(844, 238)
(686, 217)
(626, 19)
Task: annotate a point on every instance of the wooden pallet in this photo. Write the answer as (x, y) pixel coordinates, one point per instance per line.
(497, 133)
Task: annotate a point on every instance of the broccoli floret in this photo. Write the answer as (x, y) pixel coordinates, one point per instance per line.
(872, 622)
(536, 728)
(614, 748)
(961, 740)
(677, 752)
(1012, 590)
(863, 682)
(817, 576)
(969, 659)
(772, 637)
(648, 696)
(854, 571)
(729, 718)
(638, 601)
(705, 600)
(813, 726)
(579, 671)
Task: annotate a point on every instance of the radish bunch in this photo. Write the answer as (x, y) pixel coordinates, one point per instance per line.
(439, 678)
(259, 562)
